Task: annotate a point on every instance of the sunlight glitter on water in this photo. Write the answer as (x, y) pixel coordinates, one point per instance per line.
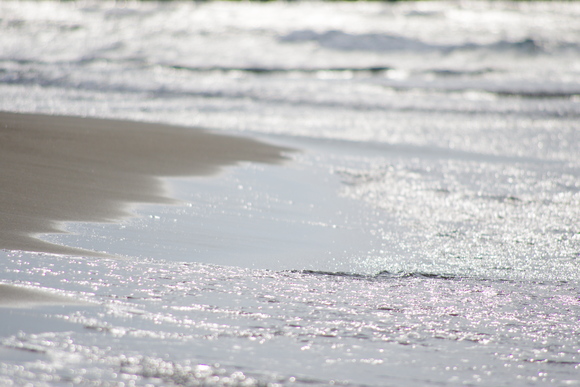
(299, 322)
(425, 234)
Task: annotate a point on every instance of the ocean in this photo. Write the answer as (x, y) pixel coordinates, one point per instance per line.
(424, 229)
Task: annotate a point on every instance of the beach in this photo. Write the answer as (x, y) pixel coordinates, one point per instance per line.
(86, 170)
(280, 194)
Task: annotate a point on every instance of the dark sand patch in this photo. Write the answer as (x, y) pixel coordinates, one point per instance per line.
(56, 169)
(18, 296)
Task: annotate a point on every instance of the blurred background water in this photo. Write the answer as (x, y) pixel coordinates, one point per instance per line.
(425, 233)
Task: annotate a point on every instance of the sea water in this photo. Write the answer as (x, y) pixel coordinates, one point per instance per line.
(424, 232)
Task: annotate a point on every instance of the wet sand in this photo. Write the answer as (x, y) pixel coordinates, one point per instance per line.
(56, 169)
(17, 296)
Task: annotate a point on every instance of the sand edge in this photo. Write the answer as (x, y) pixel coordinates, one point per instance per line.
(56, 169)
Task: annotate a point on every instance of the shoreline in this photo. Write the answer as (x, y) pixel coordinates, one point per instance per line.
(59, 169)
(14, 296)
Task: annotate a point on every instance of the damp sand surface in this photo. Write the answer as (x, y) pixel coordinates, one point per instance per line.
(61, 169)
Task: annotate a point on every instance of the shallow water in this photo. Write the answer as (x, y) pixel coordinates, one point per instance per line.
(426, 233)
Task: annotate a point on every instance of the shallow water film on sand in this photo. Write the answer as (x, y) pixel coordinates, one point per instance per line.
(423, 230)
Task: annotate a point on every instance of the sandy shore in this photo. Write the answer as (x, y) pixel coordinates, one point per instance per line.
(17, 296)
(57, 169)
